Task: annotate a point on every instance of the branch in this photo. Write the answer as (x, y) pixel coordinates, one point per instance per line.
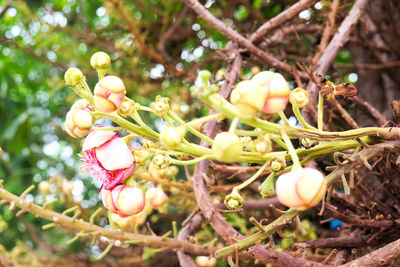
(340, 38)
(278, 20)
(85, 227)
(186, 231)
(239, 39)
(148, 51)
(379, 257)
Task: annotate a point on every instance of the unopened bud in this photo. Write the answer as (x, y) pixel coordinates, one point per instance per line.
(79, 120)
(160, 106)
(73, 76)
(44, 187)
(127, 107)
(277, 164)
(171, 172)
(267, 187)
(141, 155)
(205, 261)
(262, 144)
(301, 189)
(234, 200)
(123, 200)
(205, 76)
(100, 60)
(227, 147)
(247, 143)
(109, 93)
(171, 137)
(156, 197)
(299, 97)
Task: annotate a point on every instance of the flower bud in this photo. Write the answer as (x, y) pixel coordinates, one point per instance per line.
(307, 143)
(67, 186)
(44, 187)
(247, 143)
(205, 75)
(227, 147)
(141, 155)
(267, 92)
(123, 200)
(109, 93)
(221, 73)
(156, 197)
(125, 222)
(254, 70)
(79, 120)
(262, 144)
(171, 137)
(204, 261)
(161, 161)
(127, 107)
(171, 172)
(160, 106)
(73, 76)
(234, 200)
(100, 60)
(301, 189)
(277, 163)
(299, 97)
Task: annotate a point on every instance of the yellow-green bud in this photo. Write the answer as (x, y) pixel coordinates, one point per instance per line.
(100, 60)
(234, 200)
(160, 106)
(73, 76)
(127, 107)
(171, 137)
(221, 73)
(161, 161)
(247, 143)
(171, 172)
(254, 70)
(227, 147)
(205, 75)
(141, 155)
(299, 97)
(263, 144)
(277, 164)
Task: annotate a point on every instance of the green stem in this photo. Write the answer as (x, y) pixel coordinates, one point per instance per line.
(251, 179)
(234, 124)
(279, 141)
(190, 162)
(297, 113)
(87, 93)
(283, 118)
(176, 118)
(216, 116)
(135, 115)
(320, 112)
(292, 151)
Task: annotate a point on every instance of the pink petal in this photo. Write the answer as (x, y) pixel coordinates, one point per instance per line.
(115, 155)
(96, 139)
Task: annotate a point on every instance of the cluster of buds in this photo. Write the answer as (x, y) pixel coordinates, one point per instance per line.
(155, 197)
(107, 158)
(266, 92)
(123, 200)
(227, 147)
(301, 189)
(79, 119)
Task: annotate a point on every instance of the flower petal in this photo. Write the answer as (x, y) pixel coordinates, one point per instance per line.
(96, 139)
(115, 155)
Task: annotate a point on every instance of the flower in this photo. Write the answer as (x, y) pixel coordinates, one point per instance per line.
(156, 197)
(301, 189)
(267, 91)
(227, 147)
(109, 93)
(123, 200)
(79, 120)
(107, 158)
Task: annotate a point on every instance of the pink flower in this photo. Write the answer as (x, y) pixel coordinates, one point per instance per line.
(123, 200)
(107, 158)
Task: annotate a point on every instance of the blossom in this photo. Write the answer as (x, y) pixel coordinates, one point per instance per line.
(107, 158)
(227, 147)
(79, 120)
(123, 200)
